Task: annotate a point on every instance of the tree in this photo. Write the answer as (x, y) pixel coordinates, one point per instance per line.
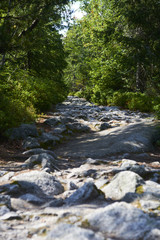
(31, 58)
(121, 41)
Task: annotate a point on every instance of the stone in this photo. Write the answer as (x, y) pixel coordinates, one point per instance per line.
(132, 138)
(2, 173)
(152, 188)
(6, 176)
(10, 216)
(22, 132)
(140, 170)
(30, 142)
(32, 193)
(90, 173)
(32, 199)
(4, 210)
(37, 182)
(127, 164)
(121, 184)
(43, 159)
(72, 186)
(78, 127)
(65, 120)
(154, 234)
(100, 183)
(149, 204)
(56, 202)
(48, 138)
(71, 232)
(87, 193)
(61, 129)
(133, 166)
(52, 121)
(5, 200)
(103, 126)
(39, 151)
(121, 221)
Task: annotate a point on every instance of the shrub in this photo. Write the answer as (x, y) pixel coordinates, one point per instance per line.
(156, 109)
(16, 106)
(118, 99)
(139, 101)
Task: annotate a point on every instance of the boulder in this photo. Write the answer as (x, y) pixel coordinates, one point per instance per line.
(39, 151)
(153, 235)
(32, 199)
(43, 159)
(38, 182)
(52, 121)
(71, 232)
(30, 142)
(22, 132)
(122, 183)
(48, 139)
(87, 193)
(121, 221)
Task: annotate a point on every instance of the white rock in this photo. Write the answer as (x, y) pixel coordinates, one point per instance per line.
(153, 235)
(44, 181)
(122, 183)
(120, 220)
(71, 232)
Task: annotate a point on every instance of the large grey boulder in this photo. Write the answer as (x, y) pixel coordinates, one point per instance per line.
(122, 183)
(71, 232)
(121, 221)
(133, 138)
(22, 132)
(37, 182)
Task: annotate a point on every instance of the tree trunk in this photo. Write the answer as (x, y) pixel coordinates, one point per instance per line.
(141, 78)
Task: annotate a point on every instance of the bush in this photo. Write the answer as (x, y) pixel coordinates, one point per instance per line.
(118, 99)
(16, 106)
(22, 96)
(139, 101)
(130, 100)
(156, 109)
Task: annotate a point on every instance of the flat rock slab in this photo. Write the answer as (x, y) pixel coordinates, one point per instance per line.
(132, 138)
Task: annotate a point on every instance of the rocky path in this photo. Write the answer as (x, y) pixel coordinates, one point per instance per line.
(85, 173)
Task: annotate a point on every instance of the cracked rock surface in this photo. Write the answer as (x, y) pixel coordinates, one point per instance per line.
(84, 175)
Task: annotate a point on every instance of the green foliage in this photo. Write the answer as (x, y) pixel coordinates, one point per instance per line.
(16, 104)
(156, 108)
(139, 101)
(113, 54)
(132, 101)
(48, 93)
(31, 59)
